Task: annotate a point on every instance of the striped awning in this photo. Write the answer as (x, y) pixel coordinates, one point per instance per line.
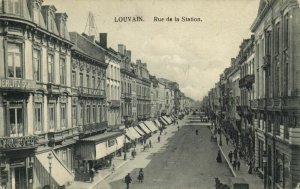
(59, 172)
(142, 133)
(151, 126)
(144, 128)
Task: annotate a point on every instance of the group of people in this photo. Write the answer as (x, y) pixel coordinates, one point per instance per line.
(234, 162)
(140, 178)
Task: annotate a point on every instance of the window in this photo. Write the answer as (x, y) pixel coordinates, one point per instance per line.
(74, 116)
(286, 31)
(38, 117)
(37, 64)
(14, 60)
(87, 114)
(81, 114)
(73, 78)
(50, 68)
(63, 116)
(16, 126)
(94, 116)
(93, 82)
(81, 79)
(51, 111)
(62, 71)
(277, 33)
(98, 83)
(14, 6)
(87, 81)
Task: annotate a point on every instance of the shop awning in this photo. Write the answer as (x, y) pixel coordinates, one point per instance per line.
(134, 132)
(157, 123)
(129, 134)
(142, 133)
(167, 119)
(144, 128)
(99, 146)
(164, 122)
(60, 173)
(151, 125)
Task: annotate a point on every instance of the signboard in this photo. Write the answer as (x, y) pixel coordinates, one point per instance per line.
(17, 84)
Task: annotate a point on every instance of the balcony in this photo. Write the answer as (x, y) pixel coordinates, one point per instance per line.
(254, 103)
(12, 143)
(18, 85)
(60, 135)
(266, 62)
(115, 103)
(53, 88)
(126, 96)
(261, 103)
(247, 81)
(84, 91)
(95, 127)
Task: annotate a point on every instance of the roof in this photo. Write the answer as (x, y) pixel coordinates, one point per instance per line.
(101, 137)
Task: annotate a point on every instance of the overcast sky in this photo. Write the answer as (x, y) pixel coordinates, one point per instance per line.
(193, 54)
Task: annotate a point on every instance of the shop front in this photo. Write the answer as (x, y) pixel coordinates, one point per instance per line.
(97, 152)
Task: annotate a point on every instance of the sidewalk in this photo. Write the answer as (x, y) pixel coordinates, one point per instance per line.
(254, 181)
(120, 162)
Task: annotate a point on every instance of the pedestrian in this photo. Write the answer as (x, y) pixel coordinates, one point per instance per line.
(227, 140)
(230, 156)
(141, 176)
(235, 153)
(92, 174)
(158, 139)
(234, 165)
(132, 154)
(128, 180)
(219, 158)
(250, 167)
(113, 167)
(178, 128)
(177, 122)
(238, 163)
(150, 144)
(196, 132)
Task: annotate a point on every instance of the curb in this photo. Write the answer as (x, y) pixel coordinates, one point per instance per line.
(225, 157)
(107, 175)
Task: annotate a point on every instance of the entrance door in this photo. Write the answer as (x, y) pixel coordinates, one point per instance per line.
(18, 178)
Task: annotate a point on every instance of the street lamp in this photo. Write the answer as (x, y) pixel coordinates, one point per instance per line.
(265, 160)
(50, 167)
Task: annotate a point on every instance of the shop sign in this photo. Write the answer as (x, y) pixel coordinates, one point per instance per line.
(17, 84)
(111, 142)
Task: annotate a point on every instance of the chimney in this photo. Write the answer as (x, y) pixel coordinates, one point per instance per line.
(128, 54)
(103, 40)
(121, 49)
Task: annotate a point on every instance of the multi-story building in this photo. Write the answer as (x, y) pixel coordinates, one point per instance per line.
(35, 96)
(113, 76)
(142, 91)
(154, 95)
(127, 81)
(276, 99)
(246, 82)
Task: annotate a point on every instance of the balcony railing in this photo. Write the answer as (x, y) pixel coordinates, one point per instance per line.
(84, 91)
(94, 127)
(18, 142)
(247, 81)
(127, 96)
(115, 103)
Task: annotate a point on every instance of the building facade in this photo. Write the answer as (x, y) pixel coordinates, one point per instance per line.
(277, 84)
(35, 93)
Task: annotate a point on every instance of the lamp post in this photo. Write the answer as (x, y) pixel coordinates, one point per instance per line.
(50, 167)
(265, 160)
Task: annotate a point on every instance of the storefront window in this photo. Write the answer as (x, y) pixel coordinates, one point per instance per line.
(14, 60)
(16, 125)
(38, 117)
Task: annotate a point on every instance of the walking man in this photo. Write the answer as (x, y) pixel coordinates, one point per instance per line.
(238, 163)
(227, 140)
(234, 165)
(128, 180)
(150, 144)
(158, 139)
(230, 156)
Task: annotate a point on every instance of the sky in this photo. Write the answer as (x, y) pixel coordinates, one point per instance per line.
(193, 54)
